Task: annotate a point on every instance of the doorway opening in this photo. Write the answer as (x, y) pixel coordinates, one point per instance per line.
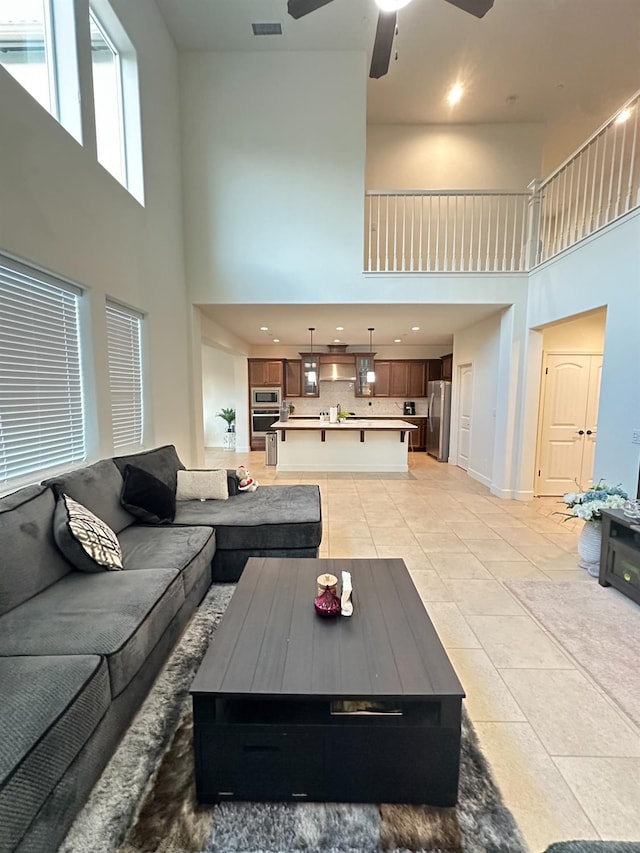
(569, 398)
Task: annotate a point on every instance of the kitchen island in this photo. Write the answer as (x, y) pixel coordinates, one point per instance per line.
(308, 444)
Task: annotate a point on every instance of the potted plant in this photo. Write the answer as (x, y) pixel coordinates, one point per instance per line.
(587, 505)
(228, 415)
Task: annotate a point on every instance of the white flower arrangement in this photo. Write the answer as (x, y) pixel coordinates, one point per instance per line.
(587, 504)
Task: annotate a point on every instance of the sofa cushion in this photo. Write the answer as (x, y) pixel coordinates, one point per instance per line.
(29, 558)
(147, 497)
(49, 707)
(190, 550)
(86, 541)
(97, 487)
(119, 615)
(162, 462)
(272, 517)
(202, 485)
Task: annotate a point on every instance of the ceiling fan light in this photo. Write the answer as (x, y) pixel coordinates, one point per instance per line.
(391, 5)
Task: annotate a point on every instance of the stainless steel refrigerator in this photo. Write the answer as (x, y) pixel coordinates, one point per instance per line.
(439, 421)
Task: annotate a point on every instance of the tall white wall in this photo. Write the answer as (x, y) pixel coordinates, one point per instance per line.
(479, 345)
(452, 157)
(61, 210)
(602, 271)
(218, 392)
(274, 148)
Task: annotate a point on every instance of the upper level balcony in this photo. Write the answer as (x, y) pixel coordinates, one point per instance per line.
(424, 231)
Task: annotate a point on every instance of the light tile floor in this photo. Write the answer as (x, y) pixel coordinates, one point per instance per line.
(565, 757)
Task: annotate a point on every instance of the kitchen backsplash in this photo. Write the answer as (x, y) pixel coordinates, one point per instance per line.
(332, 393)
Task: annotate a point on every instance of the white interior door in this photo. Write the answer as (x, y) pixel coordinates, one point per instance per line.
(569, 423)
(464, 414)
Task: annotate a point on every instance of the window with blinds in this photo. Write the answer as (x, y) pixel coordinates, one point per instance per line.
(41, 400)
(125, 376)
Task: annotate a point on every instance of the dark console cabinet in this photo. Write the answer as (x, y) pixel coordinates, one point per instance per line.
(620, 555)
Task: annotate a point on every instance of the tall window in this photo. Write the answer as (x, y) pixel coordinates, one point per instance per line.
(107, 97)
(41, 400)
(26, 48)
(125, 376)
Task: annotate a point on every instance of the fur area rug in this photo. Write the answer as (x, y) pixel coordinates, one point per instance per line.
(170, 821)
(145, 800)
(594, 847)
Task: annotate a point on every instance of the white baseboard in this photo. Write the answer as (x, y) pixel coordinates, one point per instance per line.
(481, 478)
(524, 495)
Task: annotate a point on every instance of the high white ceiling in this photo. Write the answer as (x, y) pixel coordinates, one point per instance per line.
(525, 61)
(552, 56)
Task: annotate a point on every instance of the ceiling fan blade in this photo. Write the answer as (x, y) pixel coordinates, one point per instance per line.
(381, 56)
(299, 8)
(479, 8)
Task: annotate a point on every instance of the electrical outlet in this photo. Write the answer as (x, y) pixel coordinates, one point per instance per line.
(635, 436)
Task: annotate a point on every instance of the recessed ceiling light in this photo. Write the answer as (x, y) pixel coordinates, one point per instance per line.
(276, 340)
(415, 328)
(397, 341)
(623, 116)
(391, 5)
(455, 94)
(264, 328)
(339, 328)
(336, 340)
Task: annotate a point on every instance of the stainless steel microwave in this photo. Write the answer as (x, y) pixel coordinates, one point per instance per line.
(265, 397)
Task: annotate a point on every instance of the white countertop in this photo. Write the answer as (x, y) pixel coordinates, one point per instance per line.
(351, 424)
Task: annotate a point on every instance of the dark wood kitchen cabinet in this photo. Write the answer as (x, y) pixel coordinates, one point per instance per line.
(382, 385)
(264, 373)
(400, 378)
(433, 368)
(418, 440)
(292, 378)
(447, 366)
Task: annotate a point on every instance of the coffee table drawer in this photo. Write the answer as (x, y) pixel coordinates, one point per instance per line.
(399, 765)
(258, 763)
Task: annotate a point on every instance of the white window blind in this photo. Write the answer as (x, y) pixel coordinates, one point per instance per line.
(41, 401)
(125, 375)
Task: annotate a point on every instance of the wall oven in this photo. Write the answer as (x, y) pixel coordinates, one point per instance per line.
(261, 420)
(261, 397)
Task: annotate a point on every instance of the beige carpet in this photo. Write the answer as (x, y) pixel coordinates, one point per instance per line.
(598, 626)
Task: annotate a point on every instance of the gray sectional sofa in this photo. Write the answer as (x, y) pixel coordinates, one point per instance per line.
(79, 651)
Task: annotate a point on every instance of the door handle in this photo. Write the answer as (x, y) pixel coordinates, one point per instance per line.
(580, 432)
(592, 431)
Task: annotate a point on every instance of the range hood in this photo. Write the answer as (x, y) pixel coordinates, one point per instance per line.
(337, 365)
(337, 372)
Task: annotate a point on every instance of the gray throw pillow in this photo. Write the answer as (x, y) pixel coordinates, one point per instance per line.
(86, 541)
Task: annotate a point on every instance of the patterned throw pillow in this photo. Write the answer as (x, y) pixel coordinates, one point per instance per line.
(86, 541)
(202, 485)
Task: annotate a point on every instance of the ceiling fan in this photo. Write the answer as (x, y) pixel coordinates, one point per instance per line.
(387, 21)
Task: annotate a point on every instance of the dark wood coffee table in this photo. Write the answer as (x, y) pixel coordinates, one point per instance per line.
(266, 696)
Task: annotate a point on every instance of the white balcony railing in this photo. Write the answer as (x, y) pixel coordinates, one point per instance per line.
(421, 231)
(593, 187)
(457, 231)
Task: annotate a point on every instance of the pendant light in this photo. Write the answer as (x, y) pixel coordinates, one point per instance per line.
(312, 376)
(371, 374)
